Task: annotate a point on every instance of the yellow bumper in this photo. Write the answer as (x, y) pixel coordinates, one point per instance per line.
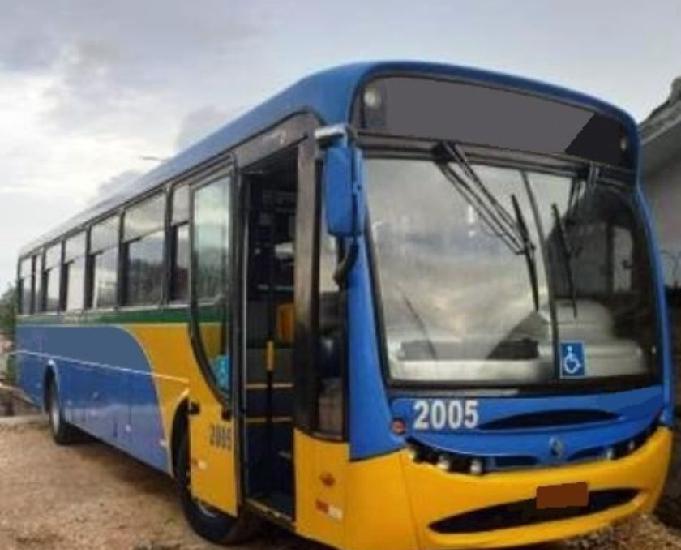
(392, 501)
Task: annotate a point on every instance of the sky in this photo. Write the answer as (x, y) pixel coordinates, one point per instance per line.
(93, 94)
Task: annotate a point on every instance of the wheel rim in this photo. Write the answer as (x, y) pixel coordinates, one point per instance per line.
(206, 509)
(54, 410)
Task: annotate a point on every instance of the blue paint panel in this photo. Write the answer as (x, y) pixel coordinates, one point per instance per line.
(30, 374)
(369, 413)
(664, 339)
(104, 381)
(634, 411)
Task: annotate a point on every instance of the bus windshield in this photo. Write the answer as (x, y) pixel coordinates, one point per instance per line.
(486, 273)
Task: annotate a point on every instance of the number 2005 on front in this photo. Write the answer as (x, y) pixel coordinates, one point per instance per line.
(445, 414)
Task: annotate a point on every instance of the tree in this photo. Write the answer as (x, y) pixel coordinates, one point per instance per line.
(8, 311)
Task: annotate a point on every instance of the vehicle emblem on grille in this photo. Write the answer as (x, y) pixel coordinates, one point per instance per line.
(557, 447)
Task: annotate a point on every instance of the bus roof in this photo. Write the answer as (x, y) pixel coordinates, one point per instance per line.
(329, 95)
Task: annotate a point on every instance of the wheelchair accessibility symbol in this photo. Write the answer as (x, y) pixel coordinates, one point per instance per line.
(572, 360)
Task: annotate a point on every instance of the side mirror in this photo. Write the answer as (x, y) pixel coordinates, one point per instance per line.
(342, 175)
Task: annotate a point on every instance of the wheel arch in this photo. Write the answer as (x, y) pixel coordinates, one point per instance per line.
(49, 378)
(179, 428)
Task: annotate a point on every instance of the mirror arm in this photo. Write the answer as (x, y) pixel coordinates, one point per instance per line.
(348, 261)
(345, 265)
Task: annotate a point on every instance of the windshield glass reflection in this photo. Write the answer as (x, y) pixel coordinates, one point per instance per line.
(461, 304)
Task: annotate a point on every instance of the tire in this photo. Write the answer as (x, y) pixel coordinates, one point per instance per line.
(669, 507)
(206, 521)
(63, 433)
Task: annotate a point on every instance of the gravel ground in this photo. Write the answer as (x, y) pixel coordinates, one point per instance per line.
(91, 496)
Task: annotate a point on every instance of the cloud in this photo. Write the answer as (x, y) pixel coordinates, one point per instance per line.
(111, 185)
(110, 59)
(202, 122)
(89, 89)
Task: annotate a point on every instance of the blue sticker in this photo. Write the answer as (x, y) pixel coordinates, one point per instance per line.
(221, 367)
(572, 360)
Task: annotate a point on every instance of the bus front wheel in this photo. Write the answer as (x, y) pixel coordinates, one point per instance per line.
(208, 522)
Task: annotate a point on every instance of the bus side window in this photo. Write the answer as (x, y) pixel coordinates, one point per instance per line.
(143, 249)
(26, 285)
(331, 340)
(103, 264)
(74, 273)
(37, 299)
(52, 279)
(179, 245)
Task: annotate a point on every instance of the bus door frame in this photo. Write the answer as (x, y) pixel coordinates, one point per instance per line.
(295, 132)
(211, 426)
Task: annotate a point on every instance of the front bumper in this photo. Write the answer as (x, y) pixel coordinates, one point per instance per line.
(393, 502)
(436, 495)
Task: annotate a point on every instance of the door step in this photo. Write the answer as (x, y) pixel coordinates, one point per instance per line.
(278, 506)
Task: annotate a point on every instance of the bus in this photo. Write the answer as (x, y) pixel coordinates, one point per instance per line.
(400, 305)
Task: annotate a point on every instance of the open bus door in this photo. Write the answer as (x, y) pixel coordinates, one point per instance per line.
(211, 425)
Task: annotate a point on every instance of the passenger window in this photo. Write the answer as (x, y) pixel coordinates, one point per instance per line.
(26, 286)
(331, 339)
(144, 239)
(211, 281)
(179, 245)
(74, 272)
(52, 279)
(105, 278)
(37, 282)
(211, 235)
(75, 286)
(144, 270)
(104, 263)
(144, 218)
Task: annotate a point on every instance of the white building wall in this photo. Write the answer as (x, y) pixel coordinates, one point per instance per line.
(663, 191)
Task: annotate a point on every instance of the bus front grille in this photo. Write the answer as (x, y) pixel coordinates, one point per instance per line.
(525, 512)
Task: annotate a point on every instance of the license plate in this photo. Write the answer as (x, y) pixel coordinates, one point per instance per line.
(563, 496)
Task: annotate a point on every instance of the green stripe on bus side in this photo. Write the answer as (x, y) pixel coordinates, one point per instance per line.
(157, 315)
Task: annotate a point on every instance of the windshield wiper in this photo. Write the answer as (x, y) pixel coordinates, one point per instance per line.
(476, 194)
(528, 251)
(420, 322)
(513, 232)
(566, 249)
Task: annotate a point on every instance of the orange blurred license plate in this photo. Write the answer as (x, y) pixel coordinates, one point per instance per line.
(562, 496)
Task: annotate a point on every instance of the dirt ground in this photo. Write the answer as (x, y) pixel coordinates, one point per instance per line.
(90, 496)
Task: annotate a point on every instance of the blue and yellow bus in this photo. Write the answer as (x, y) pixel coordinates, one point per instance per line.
(398, 306)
